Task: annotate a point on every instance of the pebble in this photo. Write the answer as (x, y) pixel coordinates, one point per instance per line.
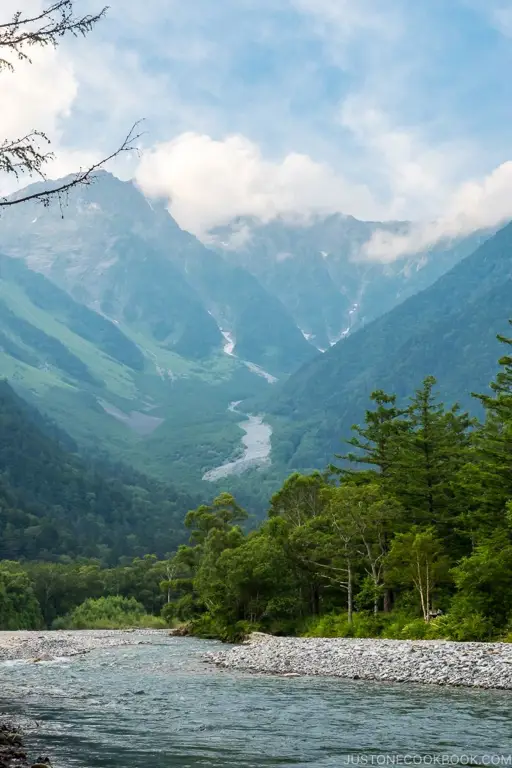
(434, 662)
(38, 647)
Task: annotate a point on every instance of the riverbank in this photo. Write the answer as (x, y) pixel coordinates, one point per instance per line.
(47, 646)
(434, 662)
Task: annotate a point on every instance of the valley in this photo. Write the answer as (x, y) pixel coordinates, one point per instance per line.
(136, 337)
(255, 384)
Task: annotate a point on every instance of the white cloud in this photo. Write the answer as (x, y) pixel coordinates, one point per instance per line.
(474, 205)
(415, 176)
(208, 182)
(37, 96)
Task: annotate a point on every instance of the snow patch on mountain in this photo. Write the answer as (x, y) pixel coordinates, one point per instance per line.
(259, 371)
(229, 346)
(229, 349)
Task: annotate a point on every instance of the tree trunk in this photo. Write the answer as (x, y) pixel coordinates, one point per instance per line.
(315, 600)
(388, 600)
(421, 590)
(427, 591)
(376, 590)
(350, 593)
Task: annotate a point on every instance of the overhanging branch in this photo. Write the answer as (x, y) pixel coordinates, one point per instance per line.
(82, 178)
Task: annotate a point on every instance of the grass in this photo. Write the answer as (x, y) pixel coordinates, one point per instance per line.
(117, 376)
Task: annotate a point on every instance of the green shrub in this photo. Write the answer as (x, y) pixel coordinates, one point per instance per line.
(109, 613)
(364, 624)
(473, 628)
(418, 629)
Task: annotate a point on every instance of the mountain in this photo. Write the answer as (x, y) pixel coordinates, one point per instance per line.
(128, 259)
(318, 271)
(447, 330)
(131, 333)
(113, 387)
(54, 503)
(136, 337)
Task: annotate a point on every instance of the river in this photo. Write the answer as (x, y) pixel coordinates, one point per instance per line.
(256, 444)
(160, 706)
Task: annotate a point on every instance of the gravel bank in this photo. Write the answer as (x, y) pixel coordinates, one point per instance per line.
(476, 665)
(45, 646)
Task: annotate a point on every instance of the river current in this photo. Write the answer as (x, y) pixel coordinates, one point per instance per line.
(160, 705)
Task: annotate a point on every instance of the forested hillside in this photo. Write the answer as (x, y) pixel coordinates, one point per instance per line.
(447, 331)
(411, 538)
(55, 503)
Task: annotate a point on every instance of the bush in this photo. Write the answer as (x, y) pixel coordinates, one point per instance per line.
(109, 613)
(364, 624)
(473, 628)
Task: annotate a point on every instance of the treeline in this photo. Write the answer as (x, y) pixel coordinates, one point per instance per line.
(82, 594)
(408, 535)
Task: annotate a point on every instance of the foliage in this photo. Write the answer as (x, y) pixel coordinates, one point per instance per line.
(53, 503)
(109, 613)
(19, 608)
(338, 550)
(417, 544)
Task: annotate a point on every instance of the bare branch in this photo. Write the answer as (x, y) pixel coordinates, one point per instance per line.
(28, 155)
(82, 178)
(44, 29)
(23, 155)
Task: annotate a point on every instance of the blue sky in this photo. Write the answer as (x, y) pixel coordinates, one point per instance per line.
(378, 108)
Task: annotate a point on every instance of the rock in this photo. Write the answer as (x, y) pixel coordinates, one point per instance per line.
(480, 665)
(257, 637)
(182, 631)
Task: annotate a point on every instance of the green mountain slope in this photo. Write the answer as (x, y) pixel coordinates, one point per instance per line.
(448, 330)
(114, 387)
(53, 503)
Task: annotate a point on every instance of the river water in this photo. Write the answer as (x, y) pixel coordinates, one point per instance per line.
(160, 706)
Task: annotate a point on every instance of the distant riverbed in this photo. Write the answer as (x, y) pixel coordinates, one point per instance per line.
(256, 444)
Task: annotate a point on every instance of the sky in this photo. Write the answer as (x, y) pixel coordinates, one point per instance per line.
(382, 109)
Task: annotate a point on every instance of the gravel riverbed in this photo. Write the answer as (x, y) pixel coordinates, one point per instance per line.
(476, 665)
(46, 646)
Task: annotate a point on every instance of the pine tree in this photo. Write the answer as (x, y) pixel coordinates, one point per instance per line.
(488, 479)
(429, 455)
(376, 441)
